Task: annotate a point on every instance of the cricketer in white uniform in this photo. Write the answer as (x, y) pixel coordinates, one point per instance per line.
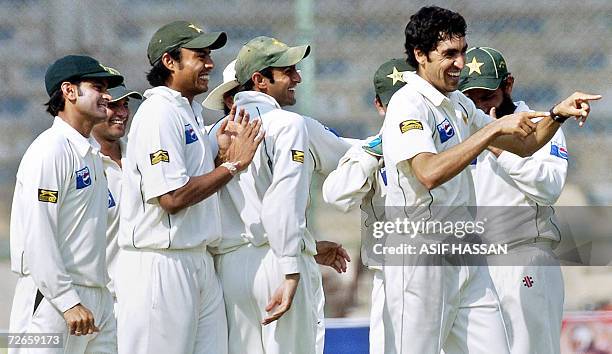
(109, 135)
(58, 218)
(266, 263)
(431, 133)
(324, 150)
(530, 284)
(169, 296)
(360, 179)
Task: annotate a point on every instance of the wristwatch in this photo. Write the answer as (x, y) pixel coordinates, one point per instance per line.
(557, 118)
(232, 167)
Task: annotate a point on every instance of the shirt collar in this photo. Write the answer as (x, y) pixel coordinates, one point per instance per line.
(425, 88)
(246, 97)
(521, 106)
(176, 96)
(81, 143)
(122, 146)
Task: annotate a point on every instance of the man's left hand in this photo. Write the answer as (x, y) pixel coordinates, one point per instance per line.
(332, 254)
(576, 105)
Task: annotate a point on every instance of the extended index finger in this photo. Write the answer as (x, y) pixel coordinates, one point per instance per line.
(587, 96)
(536, 114)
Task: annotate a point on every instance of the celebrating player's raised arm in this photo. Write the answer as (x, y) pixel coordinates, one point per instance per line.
(576, 105)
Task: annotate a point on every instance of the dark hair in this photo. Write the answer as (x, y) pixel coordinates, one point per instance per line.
(159, 74)
(429, 26)
(232, 93)
(57, 102)
(267, 73)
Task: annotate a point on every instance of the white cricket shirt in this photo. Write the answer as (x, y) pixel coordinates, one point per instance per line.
(58, 217)
(421, 119)
(532, 184)
(359, 179)
(114, 177)
(324, 150)
(166, 146)
(270, 197)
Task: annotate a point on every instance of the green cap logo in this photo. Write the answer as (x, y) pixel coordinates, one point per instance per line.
(485, 68)
(474, 66)
(263, 52)
(389, 78)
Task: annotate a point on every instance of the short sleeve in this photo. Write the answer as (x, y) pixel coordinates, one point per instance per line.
(407, 130)
(159, 150)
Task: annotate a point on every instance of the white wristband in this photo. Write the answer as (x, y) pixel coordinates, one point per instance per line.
(232, 167)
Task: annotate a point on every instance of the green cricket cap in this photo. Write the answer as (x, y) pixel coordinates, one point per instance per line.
(77, 67)
(262, 52)
(182, 34)
(485, 68)
(120, 92)
(389, 77)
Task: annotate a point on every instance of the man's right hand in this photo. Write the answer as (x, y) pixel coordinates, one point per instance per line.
(227, 132)
(518, 124)
(282, 298)
(245, 139)
(80, 321)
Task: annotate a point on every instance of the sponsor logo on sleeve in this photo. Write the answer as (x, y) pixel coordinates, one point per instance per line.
(47, 196)
(333, 131)
(410, 124)
(297, 156)
(83, 178)
(159, 156)
(446, 130)
(558, 150)
(111, 200)
(190, 134)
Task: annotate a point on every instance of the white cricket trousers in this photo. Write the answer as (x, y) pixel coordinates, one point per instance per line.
(169, 301)
(531, 297)
(453, 308)
(26, 317)
(249, 276)
(377, 312)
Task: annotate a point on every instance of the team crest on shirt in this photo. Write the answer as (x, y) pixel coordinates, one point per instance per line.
(190, 134)
(558, 150)
(83, 178)
(410, 124)
(297, 156)
(47, 196)
(446, 130)
(159, 156)
(111, 200)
